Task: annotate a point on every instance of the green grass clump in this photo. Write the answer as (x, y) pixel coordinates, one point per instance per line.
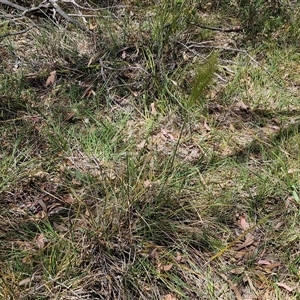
(161, 160)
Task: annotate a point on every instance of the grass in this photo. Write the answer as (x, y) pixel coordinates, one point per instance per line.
(152, 168)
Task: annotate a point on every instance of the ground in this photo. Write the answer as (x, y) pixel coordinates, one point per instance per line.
(154, 155)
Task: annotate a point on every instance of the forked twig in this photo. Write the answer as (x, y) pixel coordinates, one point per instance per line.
(46, 4)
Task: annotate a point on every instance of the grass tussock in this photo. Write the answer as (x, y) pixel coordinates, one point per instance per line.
(155, 159)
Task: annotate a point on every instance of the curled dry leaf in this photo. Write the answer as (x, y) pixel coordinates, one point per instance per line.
(263, 262)
(178, 257)
(25, 281)
(153, 254)
(51, 78)
(166, 267)
(40, 241)
(247, 243)
(153, 109)
(285, 286)
(243, 224)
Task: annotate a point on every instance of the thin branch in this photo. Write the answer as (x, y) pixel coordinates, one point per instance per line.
(234, 29)
(15, 33)
(68, 18)
(46, 4)
(13, 5)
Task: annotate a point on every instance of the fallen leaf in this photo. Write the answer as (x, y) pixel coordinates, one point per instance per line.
(93, 26)
(247, 243)
(153, 109)
(178, 257)
(40, 241)
(168, 297)
(285, 286)
(60, 228)
(25, 281)
(153, 254)
(263, 262)
(273, 265)
(141, 145)
(174, 82)
(243, 106)
(166, 267)
(147, 183)
(237, 271)
(165, 134)
(243, 223)
(68, 198)
(278, 225)
(206, 126)
(51, 78)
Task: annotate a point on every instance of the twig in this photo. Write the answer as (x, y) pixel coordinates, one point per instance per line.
(15, 33)
(13, 5)
(79, 6)
(68, 18)
(234, 29)
(44, 4)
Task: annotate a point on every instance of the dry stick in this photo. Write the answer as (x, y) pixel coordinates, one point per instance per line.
(68, 18)
(234, 29)
(15, 33)
(81, 7)
(42, 5)
(13, 5)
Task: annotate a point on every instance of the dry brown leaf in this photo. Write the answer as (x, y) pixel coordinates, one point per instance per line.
(92, 26)
(147, 183)
(206, 126)
(273, 266)
(263, 262)
(166, 267)
(51, 78)
(141, 145)
(40, 241)
(68, 199)
(168, 297)
(285, 286)
(25, 281)
(247, 243)
(237, 271)
(153, 254)
(153, 109)
(165, 134)
(278, 225)
(243, 223)
(60, 228)
(243, 106)
(178, 257)
(293, 170)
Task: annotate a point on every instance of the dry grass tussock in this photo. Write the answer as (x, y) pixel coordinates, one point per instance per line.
(148, 157)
